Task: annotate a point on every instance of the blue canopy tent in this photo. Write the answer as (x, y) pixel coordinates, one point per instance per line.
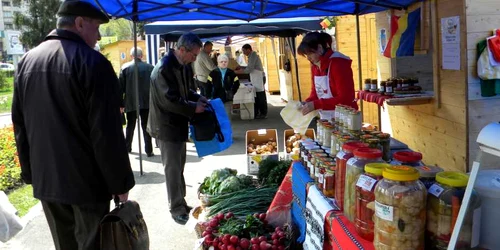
(246, 10)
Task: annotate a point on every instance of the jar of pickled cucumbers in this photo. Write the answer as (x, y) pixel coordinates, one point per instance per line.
(327, 135)
(341, 159)
(443, 203)
(354, 168)
(365, 199)
(400, 207)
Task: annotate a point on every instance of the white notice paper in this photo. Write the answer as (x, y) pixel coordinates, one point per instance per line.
(450, 40)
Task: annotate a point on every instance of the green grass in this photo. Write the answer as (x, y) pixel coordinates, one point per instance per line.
(22, 199)
(6, 96)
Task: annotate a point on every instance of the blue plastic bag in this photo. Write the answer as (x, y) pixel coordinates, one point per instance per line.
(204, 148)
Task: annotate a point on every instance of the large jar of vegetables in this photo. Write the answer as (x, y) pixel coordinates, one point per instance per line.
(400, 200)
(341, 159)
(365, 198)
(354, 168)
(319, 130)
(443, 203)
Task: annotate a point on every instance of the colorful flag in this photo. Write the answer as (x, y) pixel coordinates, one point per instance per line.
(403, 30)
(325, 24)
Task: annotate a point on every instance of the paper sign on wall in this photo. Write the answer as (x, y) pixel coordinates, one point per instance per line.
(450, 40)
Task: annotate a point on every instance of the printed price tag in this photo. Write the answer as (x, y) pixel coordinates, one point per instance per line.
(436, 190)
(366, 182)
(383, 211)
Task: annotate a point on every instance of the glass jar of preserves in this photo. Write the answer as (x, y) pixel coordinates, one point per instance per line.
(400, 203)
(314, 160)
(443, 203)
(354, 168)
(368, 85)
(319, 169)
(407, 158)
(319, 130)
(385, 143)
(333, 143)
(365, 138)
(373, 86)
(329, 183)
(383, 84)
(341, 159)
(405, 83)
(327, 135)
(323, 166)
(355, 121)
(389, 88)
(365, 198)
(428, 174)
(304, 152)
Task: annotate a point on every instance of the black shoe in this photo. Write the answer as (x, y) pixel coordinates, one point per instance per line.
(150, 154)
(261, 117)
(181, 219)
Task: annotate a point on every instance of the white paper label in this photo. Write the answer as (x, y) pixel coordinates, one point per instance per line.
(366, 182)
(436, 190)
(337, 147)
(389, 89)
(476, 227)
(351, 161)
(320, 178)
(383, 211)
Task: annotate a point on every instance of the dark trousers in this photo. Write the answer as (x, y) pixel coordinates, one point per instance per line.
(75, 226)
(131, 122)
(260, 106)
(173, 157)
(203, 88)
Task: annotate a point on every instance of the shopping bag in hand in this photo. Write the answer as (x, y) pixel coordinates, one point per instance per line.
(293, 117)
(124, 228)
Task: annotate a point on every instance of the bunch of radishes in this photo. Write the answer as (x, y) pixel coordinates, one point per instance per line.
(215, 240)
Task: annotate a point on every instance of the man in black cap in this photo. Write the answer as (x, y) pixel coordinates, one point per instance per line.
(66, 115)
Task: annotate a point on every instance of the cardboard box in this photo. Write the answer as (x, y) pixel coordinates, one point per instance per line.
(258, 137)
(289, 132)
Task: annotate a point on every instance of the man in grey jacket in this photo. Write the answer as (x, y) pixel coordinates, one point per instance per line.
(203, 66)
(171, 107)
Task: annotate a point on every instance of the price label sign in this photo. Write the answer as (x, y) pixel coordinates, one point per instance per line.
(366, 182)
(384, 212)
(436, 190)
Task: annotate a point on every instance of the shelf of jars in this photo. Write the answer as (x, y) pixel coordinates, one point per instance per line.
(394, 92)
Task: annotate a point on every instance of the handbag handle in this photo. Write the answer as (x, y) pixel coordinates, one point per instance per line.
(218, 131)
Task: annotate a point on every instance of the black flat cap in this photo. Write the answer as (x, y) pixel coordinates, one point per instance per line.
(83, 9)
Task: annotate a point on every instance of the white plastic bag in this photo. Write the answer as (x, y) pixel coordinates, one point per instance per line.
(292, 116)
(10, 224)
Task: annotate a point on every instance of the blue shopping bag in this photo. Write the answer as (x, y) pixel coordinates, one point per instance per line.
(204, 148)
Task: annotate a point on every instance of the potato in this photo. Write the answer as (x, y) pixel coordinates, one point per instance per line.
(288, 149)
(296, 144)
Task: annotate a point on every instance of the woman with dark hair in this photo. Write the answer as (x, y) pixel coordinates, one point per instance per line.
(332, 77)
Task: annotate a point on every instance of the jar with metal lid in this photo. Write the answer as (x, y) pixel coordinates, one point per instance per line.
(375, 133)
(373, 85)
(343, 139)
(327, 135)
(333, 143)
(310, 160)
(400, 204)
(382, 87)
(443, 204)
(428, 174)
(385, 143)
(407, 158)
(354, 168)
(398, 83)
(365, 198)
(341, 159)
(366, 131)
(304, 152)
(368, 85)
(320, 170)
(314, 159)
(389, 88)
(355, 121)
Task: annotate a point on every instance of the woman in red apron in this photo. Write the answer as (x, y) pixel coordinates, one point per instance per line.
(333, 83)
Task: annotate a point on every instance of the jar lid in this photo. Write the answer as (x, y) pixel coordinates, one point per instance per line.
(407, 156)
(351, 146)
(376, 168)
(429, 171)
(383, 135)
(452, 178)
(400, 173)
(370, 153)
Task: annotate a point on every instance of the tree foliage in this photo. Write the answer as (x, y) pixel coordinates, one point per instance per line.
(121, 28)
(38, 22)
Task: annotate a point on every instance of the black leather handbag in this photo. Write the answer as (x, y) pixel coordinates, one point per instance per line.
(124, 228)
(206, 126)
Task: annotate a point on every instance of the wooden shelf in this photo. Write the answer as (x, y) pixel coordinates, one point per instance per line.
(424, 98)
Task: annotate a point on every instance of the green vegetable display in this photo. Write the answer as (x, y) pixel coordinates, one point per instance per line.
(272, 171)
(243, 202)
(225, 181)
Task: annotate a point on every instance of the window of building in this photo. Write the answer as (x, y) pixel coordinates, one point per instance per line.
(9, 26)
(5, 3)
(8, 14)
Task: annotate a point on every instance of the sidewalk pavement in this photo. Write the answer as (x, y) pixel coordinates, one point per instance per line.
(150, 190)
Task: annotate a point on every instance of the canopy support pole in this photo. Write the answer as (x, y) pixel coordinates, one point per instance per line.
(360, 72)
(136, 81)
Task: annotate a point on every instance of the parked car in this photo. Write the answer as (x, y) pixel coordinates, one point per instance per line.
(6, 67)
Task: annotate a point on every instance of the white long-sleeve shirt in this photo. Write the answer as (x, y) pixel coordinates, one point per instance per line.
(203, 66)
(254, 62)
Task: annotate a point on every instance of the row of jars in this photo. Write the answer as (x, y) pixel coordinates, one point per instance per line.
(390, 85)
(352, 180)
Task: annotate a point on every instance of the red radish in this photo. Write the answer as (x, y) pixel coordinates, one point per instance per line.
(223, 247)
(256, 215)
(238, 248)
(215, 231)
(262, 238)
(276, 242)
(209, 239)
(281, 248)
(205, 233)
(214, 223)
(229, 215)
(234, 239)
(264, 245)
(220, 216)
(274, 236)
(226, 238)
(264, 221)
(255, 240)
(244, 243)
(281, 234)
(255, 247)
(274, 247)
(262, 216)
(216, 242)
(231, 247)
(277, 229)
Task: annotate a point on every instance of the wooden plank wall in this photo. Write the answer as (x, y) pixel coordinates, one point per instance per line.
(483, 16)
(304, 74)
(439, 133)
(273, 83)
(113, 51)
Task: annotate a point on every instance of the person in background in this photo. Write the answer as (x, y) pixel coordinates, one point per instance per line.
(224, 84)
(256, 71)
(203, 66)
(331, 75)
(240, 59)
(171, 107)
(67, 123)
(129, 104)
